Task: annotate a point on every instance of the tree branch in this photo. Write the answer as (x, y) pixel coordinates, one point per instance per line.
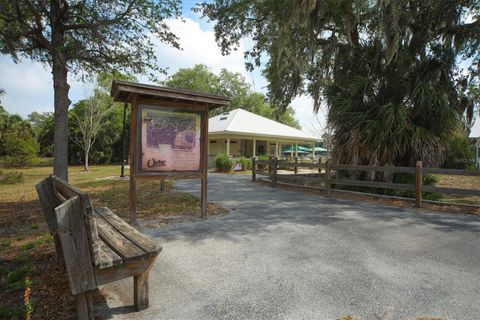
(100, 23)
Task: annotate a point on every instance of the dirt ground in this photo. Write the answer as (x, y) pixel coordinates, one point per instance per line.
(31, 285)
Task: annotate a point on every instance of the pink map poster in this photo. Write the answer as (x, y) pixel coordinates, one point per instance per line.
(170, 141)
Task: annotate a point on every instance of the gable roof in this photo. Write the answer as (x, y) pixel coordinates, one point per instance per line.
(125, 90)
(243, 122)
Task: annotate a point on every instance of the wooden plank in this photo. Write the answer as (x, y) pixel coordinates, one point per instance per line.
(105, 257)
(48, 202)
(140, 290)
(123, 271)
(67, 191)
(374, 184)
(133, 161)
(328, 176)
(73, 236)
(129, 232)
(84, 306)
(285, 163)
(117, 242)
(204, 165)
(121, 88)
(372, 168)
(452, 171)
(418, 184)
(463, 192)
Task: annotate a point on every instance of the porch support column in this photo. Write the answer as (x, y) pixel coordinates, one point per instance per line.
(291, 150)
(254, 148)
(296, 149)
(276, 149)
(228, 147)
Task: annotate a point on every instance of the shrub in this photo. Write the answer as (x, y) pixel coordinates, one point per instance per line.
(19, 151)
(262, 166)
(458, 153)
(11, 177)
(223, 163)
(246, 163)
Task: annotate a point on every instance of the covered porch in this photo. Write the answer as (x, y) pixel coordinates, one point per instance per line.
(248, 147)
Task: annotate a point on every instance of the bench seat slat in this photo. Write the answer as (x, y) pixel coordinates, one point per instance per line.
(129, 232)
(105, 257)
(117, 242)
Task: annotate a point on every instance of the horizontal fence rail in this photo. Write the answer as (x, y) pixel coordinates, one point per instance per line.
(330, 178)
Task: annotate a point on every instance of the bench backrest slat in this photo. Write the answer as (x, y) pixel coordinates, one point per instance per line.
(75, 244)
(66, 191)
(49, 202)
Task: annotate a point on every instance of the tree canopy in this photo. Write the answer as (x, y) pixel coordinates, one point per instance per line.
(232, 85)
(84, 37)
(397, 76)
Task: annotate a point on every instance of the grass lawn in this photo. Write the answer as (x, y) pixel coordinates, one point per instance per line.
(30, 284)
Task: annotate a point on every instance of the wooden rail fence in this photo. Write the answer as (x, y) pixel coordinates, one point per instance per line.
(331, 178)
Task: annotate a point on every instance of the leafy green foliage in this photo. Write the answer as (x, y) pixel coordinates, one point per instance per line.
(262, 157)
(20, 152)
(223, 163)
(246, 163)
(43, 127)
(232, 85)
(458, 154)
(84, 37)
(388, 70)
(18, 147)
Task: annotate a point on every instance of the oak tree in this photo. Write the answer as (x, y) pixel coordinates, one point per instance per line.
(81, 38)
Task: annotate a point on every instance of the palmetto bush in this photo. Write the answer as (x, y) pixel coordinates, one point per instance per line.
(391, 115)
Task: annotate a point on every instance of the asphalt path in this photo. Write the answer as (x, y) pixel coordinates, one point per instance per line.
(289, 255)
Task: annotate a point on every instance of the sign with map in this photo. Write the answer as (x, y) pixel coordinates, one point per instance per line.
(170, 141)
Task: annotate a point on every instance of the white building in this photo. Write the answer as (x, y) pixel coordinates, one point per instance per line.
(475, 140)
(240, 133)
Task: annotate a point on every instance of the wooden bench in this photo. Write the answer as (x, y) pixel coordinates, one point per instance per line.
(94, 244)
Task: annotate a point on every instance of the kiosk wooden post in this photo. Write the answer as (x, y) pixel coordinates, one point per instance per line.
(168, 134)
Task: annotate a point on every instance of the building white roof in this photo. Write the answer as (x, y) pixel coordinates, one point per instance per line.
(242, 122)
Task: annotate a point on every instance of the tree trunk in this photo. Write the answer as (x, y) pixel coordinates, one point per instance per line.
(85, 167)
(61, 102)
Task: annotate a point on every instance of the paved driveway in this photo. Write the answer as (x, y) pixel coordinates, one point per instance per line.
(289, 255)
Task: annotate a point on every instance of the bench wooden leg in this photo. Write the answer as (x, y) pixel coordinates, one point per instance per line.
(140, 290)
(84, 306)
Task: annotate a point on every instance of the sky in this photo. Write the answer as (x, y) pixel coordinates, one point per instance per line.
(28, 84)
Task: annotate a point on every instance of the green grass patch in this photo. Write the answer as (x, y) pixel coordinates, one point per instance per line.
(31, 244)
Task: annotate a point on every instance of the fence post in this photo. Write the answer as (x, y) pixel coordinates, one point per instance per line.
(270, 159)
(254, 169)
(328, 174)
(162, 186)
(418, 184)
(274, 171)
(296, 168)
(319, 165)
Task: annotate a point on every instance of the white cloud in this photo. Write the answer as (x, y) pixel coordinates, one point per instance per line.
(198, 46)
(310, 121)
(29, 84)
